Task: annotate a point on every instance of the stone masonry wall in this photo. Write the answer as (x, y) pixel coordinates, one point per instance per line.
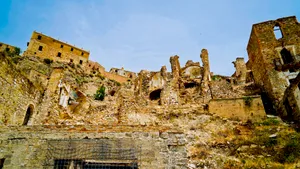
(247, 108)
(16, 93)
(26, 147)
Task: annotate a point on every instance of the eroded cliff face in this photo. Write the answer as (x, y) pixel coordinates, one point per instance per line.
(167, 114)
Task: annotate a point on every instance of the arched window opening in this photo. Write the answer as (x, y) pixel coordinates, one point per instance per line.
(155, 95)
(277, 32)
(190, 85)
(287, 57)
(28, 115)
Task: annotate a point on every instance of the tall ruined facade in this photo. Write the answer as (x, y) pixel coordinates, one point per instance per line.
(273, 43)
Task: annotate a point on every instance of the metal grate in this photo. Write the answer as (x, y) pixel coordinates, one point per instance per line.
(92, 154)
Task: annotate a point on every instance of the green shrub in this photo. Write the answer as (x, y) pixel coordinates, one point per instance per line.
(215, 78)
(48, 61)
(17, 51)
(100, 93)
(270, 122)
(79, 80)
(291, 151)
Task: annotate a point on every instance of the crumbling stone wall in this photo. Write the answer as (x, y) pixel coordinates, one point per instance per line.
(244, 109)
(26, 147)
(241, 70)
(16, 95)
(7, 48)
(122, 72)
(92, 67)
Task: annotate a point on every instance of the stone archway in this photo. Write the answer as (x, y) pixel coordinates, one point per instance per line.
(28, 115)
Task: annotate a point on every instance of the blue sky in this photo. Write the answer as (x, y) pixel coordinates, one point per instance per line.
(143, 34)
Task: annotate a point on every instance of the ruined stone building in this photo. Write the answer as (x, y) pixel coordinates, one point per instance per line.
(122, 72)
(46, 47)
(178, 118)
(7, 48)
(271, 44)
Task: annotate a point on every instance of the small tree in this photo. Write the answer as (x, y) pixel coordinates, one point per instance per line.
(100, 93)
(17, 51)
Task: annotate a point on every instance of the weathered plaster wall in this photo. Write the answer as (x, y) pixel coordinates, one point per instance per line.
(27, 147)
(247, 108)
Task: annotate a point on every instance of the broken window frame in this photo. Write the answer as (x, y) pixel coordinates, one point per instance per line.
(287, 58)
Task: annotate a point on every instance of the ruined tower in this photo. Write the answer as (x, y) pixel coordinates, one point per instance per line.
(175, 86)
(206, 72)
(241, 70)
(273, 43)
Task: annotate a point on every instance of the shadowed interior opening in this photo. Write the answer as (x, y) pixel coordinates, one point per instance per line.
(155, 95)
(190, 85)
(287, 57)
(28, 114)
(2, 162)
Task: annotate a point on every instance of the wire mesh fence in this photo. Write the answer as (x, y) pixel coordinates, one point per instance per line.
(92, 154)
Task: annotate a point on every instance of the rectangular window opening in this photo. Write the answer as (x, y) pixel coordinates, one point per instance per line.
(287, 58)
(277, 32)
(71, 60)
(81, 53)
(61, 46)
(39, 37)
(40, 48)
(80, 62)
(72, 49)
(2, 162)
(58, 54)
(27, 43)
(7, 49)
